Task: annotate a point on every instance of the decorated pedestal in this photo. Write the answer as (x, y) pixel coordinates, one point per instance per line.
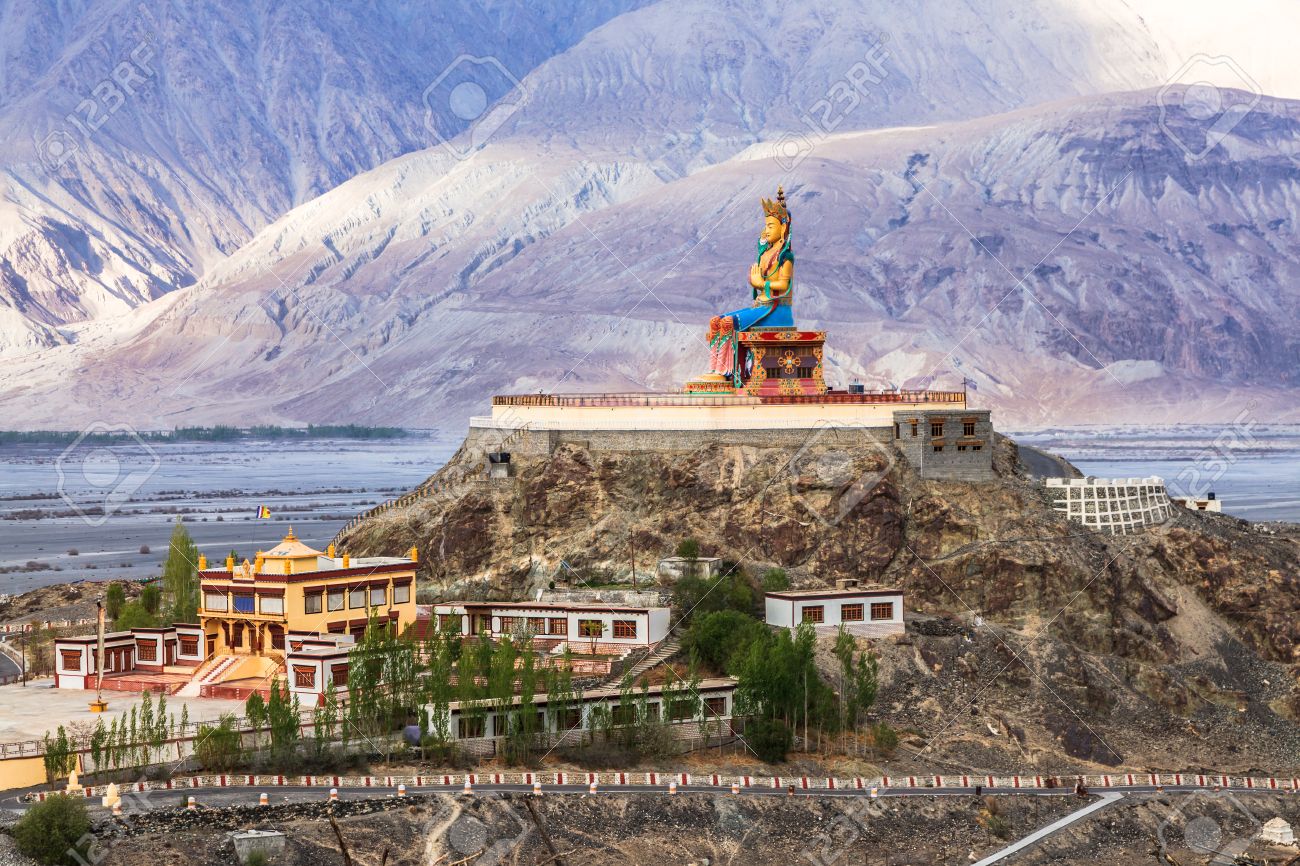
(781, 362)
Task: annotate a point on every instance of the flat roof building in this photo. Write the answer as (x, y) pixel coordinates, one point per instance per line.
(862, 611)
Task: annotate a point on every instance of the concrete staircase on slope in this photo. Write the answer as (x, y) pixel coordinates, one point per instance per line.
(667, 648)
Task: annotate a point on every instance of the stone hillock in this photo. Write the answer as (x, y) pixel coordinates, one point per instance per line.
(1102, 647)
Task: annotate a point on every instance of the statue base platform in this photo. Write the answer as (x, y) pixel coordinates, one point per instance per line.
(710, 383)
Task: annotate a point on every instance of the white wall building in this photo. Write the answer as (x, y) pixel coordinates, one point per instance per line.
(1114, 505)
(584, 627)
(1208, 503)
(863, 611)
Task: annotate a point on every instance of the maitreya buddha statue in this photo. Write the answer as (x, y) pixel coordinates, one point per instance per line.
(771, 279)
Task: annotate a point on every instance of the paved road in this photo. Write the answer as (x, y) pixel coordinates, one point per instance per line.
(8, 668)
(228, 796)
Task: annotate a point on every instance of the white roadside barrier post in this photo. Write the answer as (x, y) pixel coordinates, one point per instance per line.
(263, 799)
(469, 786)
(401, 789)
(191, 803)
(117, 809)
(672, 787)
(334, 795)
(735, 787)
(591, 789)
(875, 792)
(537, 788)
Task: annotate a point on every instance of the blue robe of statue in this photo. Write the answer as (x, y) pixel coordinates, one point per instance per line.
(778, 313)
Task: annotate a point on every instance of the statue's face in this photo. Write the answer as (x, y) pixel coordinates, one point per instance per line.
(773, 231)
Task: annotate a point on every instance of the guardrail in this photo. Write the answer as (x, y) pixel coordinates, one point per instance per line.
(736, 783)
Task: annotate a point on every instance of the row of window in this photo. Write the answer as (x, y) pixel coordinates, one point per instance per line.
(936, 428)
(571, 719)
(546, 626)
(880, 610)
(961, 447)
(358, 598)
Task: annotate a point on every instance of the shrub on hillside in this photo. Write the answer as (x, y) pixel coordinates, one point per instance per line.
(770, 739)
(55, 831)
(716, 637)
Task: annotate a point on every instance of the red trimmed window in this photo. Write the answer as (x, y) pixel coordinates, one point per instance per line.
(625, 628)
(304, 677)
(851, 613)
(814, 613)
(882, 610)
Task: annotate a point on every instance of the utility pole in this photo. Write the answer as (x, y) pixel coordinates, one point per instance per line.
(631, 543)
(23, 673)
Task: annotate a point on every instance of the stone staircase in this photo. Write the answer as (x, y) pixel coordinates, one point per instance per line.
(209, 672)
(666, 649)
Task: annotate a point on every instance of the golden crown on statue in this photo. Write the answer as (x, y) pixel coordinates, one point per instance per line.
(777, 208)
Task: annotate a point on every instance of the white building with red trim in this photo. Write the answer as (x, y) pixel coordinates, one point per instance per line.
(863, 611)
(586, 628)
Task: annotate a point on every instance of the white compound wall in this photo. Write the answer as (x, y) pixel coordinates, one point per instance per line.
(1116, 505)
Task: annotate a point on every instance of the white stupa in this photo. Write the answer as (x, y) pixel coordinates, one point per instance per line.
(1278, 832)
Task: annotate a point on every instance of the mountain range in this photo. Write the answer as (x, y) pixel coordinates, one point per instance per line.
(275, 212)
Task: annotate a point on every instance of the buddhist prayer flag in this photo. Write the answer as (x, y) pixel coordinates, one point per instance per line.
(263, 512)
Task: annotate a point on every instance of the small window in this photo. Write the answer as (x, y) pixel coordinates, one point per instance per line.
(558, 626)
(339, 675)
(357, 598)
(508, 624)
(449, 622)
(272, 605)
(378, 596)
(625, 628)
(882, 610)
(681, 710)
(312, 601)
(537, 625)
(623, 714)
(961, 447)
(805, 372)
(851, 613)
(401, 593)
(938, 448)
(336, 599)
(977, 448)
(715, 707)
(915, 424)
(189, 646)
(215, 601)
(471, 727)
(936, 428)
(337, 627)
(70, 660)
(968, 428)
(591, 628)
(569, 719)
(814, 613)
(304, 677)
(244, 604)
(897, 435)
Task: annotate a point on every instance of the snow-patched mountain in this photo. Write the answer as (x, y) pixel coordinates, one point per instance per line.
(143, 142)
(1072, 261)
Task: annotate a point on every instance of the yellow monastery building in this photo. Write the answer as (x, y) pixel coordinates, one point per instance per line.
(292, 614)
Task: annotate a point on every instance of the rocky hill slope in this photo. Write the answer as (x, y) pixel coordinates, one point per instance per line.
(1177, 646)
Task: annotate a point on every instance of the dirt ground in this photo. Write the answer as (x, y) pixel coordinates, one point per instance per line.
(721, 829)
